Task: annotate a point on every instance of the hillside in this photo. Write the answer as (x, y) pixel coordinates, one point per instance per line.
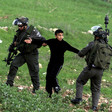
(75, 18)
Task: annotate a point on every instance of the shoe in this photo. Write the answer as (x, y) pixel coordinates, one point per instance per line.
(94, 108)
(57, 89)
(50, 95)
(9, 84)
(34, 90)
(76, 100)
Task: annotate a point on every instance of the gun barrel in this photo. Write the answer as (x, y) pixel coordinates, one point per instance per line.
(106, 19)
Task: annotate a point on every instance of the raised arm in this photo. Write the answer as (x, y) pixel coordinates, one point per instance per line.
(35, 38)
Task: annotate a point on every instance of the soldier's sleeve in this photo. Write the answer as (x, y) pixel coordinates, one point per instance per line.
(85, 50)
(37, 37)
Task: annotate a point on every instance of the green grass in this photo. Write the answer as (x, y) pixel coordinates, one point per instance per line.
(73, 17)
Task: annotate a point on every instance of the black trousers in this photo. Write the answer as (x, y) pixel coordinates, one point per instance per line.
(51, 77)
(32, 63)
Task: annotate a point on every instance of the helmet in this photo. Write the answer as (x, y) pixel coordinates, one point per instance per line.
(20, 21)
(100, 33)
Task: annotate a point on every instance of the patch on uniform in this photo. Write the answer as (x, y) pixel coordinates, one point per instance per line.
(38, 34)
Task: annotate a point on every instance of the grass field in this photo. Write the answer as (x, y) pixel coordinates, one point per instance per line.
(74, 17)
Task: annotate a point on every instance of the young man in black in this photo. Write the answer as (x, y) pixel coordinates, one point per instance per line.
(57, 47)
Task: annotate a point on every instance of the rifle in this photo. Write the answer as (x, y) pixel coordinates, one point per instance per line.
(11, 53)
(12, 50)
(106, 29)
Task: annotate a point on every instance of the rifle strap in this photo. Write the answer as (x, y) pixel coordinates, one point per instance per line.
(30, 29)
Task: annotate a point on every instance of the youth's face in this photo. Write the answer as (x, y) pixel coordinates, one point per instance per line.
(59, 36)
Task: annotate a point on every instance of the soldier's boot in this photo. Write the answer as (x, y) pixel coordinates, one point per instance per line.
(76, 100)
(94, 108)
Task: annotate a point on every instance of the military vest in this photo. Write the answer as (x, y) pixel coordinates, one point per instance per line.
(21, 36)
(100, 55)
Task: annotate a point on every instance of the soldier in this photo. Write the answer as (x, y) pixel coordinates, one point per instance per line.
(90, 72)
(28, 52)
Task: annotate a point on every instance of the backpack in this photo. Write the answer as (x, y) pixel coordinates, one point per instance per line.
(100, 55)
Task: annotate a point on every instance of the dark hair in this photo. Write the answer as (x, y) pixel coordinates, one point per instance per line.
(58, 31)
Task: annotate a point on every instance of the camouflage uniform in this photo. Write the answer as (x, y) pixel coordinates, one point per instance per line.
(95, 76)
(28, 54)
